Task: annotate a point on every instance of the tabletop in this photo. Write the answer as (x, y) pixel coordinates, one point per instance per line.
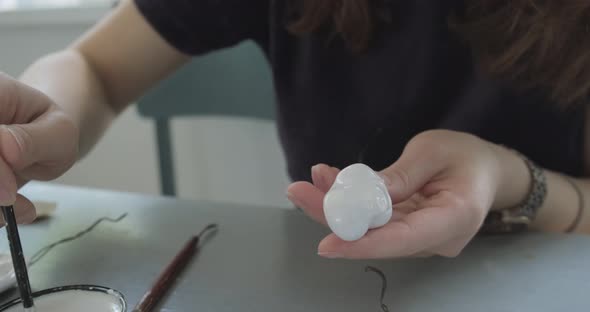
(264, 259)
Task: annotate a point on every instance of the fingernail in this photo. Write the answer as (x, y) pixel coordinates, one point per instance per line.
(294, 200)
(315, 168)
(329, 254)
(6, 198)
(315, 173)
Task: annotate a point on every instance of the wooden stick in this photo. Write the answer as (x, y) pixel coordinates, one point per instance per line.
(152, 297)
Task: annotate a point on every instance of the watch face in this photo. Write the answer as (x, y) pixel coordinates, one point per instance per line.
(514, 217)
(495, 223)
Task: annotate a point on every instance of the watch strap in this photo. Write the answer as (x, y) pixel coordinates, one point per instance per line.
(518, 219)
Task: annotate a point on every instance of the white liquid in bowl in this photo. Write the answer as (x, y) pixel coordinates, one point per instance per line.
(74, 301)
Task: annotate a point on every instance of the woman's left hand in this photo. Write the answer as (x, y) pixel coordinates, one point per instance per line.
(442, 187)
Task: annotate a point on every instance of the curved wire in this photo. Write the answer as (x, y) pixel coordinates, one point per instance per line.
(383, 286)
(210, 227)
(43, 251)
(207, 233)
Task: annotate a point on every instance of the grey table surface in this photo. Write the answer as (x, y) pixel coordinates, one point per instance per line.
(264, 259)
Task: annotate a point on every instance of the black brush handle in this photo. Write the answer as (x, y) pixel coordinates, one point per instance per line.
(18, 258)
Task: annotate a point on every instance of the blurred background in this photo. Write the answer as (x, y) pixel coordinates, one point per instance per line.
(220, 159)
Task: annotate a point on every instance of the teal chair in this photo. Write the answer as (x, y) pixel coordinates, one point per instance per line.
(233, 82)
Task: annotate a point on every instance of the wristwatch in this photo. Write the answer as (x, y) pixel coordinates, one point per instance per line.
(518, 219)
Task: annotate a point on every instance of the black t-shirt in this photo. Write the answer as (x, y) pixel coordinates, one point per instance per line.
(338, 107)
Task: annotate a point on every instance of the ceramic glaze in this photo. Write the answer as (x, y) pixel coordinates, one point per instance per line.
(357, 201)
(74, 301)
(7, 275)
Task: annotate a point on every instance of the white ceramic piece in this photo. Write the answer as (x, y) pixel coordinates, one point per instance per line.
(44, 209)
(357, 201)
(7, 276)
(74, 301)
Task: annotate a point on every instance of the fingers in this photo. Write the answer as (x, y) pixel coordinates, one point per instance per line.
(419, 163)
(20, 103)
(323, 176)
(24, 211)
(309, 198)
(8, 185)
(49, 139)
(416, 233)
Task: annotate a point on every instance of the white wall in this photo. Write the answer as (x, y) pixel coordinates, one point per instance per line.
(236, 161)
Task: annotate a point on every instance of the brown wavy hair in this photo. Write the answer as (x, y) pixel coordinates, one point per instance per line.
(539, 44)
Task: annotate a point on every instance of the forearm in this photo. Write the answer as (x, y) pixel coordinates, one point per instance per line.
(561, 205)
(103, 71)
(68, 79)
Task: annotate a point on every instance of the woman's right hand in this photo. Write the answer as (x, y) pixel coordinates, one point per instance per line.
(38, 141)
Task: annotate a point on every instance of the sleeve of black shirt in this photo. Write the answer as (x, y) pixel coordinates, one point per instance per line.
(199, 26)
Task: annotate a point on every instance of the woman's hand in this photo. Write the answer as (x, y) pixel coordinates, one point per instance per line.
(37, 142)
(442, 187)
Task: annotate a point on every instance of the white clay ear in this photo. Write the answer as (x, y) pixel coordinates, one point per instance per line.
(344, 215)
(357, 201)
(7, 275)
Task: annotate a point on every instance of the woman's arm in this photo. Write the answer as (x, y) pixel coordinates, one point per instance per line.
(105, 70)
(562, 203)
(64, 101)
(561, 206)
(443, 186)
